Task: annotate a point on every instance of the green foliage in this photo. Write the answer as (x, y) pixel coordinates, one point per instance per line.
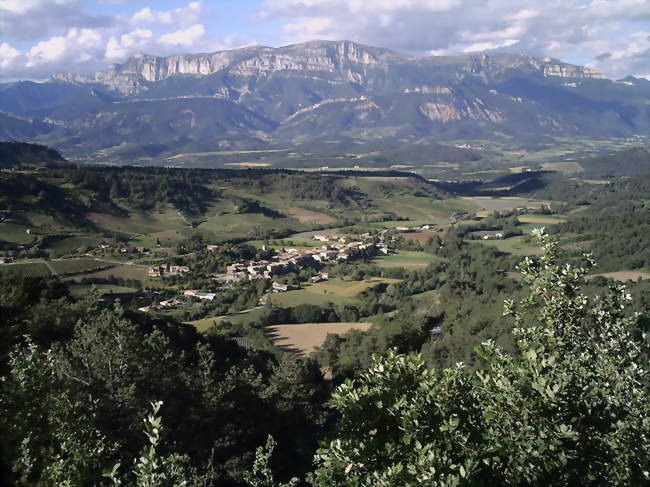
(152, 470)
(571, 408)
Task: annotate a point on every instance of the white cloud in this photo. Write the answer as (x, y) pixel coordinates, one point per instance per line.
(118, 49)
(8, 55)
(22, 6)
(572, 30)
(190, 14)
(184, 38)
(486, 46)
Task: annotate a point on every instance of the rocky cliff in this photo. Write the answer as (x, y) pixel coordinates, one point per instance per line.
(347, 61)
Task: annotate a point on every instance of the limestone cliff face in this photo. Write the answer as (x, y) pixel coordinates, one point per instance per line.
(350, 61)
(343, 61)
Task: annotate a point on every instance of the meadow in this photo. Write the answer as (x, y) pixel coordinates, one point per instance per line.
(406, 258)
(76, 266)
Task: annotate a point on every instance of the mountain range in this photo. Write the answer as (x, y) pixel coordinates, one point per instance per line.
(323, 96)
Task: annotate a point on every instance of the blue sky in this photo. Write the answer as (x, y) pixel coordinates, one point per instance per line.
(40, 37)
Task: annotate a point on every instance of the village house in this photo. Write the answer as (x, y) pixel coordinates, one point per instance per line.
(178, 269)
(323, 276)
(206, 296)
(281, 288)
(155, 271)
(212, 248)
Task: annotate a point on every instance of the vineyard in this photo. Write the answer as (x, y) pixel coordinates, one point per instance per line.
(30, 269)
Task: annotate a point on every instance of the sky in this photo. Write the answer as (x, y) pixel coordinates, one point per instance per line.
(41, 37)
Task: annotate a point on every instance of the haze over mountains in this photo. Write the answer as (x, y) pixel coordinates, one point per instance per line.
(319, 95)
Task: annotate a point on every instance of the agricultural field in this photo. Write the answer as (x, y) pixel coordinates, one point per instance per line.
(68, 245)
(545, 219)
(137, 272)
(15, 232)
(489, 204)
(79, 290)
(76, 266)
(623, 275)
(304, 215)
(304, 338)
(305, 296)
(205, 324)
(140, 223)
(513, 245)
(567, 167)
(422, 236)
(406, 258)
(335, 291)
(166, 238)
(27, 269)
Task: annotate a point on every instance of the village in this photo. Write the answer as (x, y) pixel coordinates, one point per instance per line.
(284, 261)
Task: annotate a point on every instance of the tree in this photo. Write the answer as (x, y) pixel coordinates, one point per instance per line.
(570, 407)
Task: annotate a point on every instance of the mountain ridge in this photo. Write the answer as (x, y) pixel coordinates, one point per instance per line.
(337, 96)
(307, 56)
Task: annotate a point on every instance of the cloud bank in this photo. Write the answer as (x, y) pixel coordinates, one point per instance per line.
(579, 31)
(63, 35)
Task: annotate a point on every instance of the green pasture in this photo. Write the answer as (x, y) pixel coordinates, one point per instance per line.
(79, 290)
(76, 266)
(406, 258)
(514, 246)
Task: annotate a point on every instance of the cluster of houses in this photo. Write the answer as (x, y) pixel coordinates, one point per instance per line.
(168, 270)
(292, 260)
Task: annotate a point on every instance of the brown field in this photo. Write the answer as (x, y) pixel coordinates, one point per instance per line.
(303, 339)
(623, 275)
(124, 271)
(304, 215)
(421, 236)
(551, 220)
(248, 164)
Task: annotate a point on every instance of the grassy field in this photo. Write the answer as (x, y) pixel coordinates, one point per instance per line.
(335, 291)
(304, 215)
(624, 275)
(140, 223)
(565, 167)
(27, 269)
(78, 290)
(75, 266)
(305, 296)
(304, 338)
(514, 246)
(422, 236)
(406, 258)
(488, 204)
(205, 324)
(123, 271)
(343, 288)
(70, 244)
(15, 233)
(546, 219)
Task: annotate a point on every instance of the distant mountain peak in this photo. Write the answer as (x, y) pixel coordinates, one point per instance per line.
(349, 59)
